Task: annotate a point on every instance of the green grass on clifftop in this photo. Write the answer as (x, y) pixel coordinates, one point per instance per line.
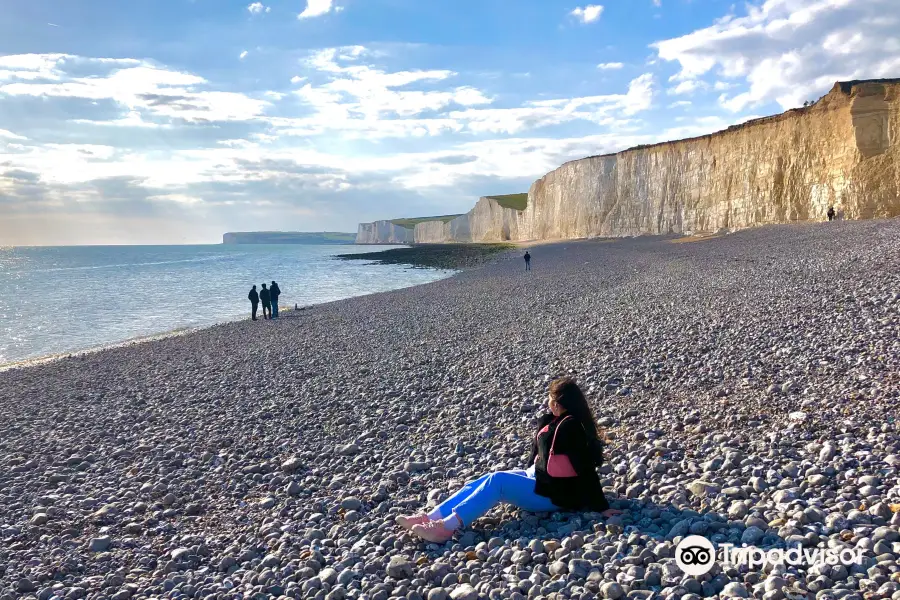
(411, 223)
(513, 201)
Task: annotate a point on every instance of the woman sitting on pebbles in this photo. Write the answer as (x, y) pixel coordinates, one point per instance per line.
(562, 475)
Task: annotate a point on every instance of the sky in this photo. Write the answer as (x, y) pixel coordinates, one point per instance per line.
(174, 121)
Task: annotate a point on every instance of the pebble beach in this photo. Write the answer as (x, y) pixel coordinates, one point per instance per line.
(749, 384)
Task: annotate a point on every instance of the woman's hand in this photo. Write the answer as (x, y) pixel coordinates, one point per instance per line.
(611, 512)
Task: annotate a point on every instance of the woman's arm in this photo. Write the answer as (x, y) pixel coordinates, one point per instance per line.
(544, 420)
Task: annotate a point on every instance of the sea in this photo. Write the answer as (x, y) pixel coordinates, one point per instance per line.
(60, 300)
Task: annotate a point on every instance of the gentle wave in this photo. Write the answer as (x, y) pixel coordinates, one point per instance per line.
(124, 265)
(30, 362)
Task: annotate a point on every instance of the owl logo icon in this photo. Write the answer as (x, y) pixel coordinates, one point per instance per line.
(695, 555)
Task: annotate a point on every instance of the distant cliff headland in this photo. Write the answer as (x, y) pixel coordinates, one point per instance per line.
(841, 151)
(287, 237)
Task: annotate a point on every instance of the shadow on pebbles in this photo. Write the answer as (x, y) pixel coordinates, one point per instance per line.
(749, 384)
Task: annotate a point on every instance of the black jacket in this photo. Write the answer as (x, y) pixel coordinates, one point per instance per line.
(264, 296)
(583, 492)
(253, 297)
(275, 291)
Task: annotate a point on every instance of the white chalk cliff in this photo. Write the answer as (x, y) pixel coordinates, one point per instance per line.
(487, 222)
(383, 232)
(843, 151)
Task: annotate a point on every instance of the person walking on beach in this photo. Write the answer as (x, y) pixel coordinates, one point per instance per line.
(253, 297)
(830, 213)
(266, 298)
(274, 292)
(527, 261)
(562, 474)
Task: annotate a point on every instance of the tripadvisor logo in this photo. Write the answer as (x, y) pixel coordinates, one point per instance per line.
(695, 555)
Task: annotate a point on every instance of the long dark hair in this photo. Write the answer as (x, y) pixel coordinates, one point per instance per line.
(568, 395)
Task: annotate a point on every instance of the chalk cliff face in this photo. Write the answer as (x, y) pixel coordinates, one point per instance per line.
(842, 151)
(487, 222)
(383, 232)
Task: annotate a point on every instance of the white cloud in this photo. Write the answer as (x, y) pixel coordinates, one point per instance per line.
(135, 85)
(640, 95)
(697, 126)
(524, 157)
(790, 51)
(32, 62)
(657, 3)
(9, 135)
(258, 8)
(243, 55)
(680, 104)
(686, 88)
(34, 67)
(362, 98)
(317, 8)
(177, 198)
(610, 66)
(243, 163)
(588, 14)
(603, 110)
(132, 119)
(509, 120)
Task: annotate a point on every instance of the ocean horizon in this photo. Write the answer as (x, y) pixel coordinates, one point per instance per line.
(67, 299)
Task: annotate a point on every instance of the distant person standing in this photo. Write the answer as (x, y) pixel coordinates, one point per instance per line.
(253, 297)
(265, 296)
(274, 291)
(830, 213)
(527, 261)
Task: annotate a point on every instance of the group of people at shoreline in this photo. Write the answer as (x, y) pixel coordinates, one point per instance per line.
(269, 299)
(268, 296)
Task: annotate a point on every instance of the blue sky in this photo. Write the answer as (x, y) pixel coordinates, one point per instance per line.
(173, 121)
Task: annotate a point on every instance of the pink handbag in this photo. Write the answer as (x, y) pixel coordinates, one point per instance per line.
(558, 465)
